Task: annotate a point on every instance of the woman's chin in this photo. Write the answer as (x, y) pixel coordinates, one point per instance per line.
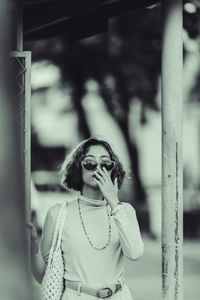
(94, 184)
(91, 183)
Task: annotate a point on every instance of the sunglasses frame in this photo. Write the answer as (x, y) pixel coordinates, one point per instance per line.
(93, 169)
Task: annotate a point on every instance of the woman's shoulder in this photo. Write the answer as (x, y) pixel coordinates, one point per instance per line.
(127, 204)
(128, 207)
(54, 209)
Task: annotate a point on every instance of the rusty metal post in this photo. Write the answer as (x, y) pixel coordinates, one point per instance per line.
(172, 169)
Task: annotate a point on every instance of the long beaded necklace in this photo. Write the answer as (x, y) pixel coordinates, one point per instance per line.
(109, 234)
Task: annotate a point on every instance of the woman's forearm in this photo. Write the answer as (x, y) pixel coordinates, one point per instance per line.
(38, 265)
(129, 232)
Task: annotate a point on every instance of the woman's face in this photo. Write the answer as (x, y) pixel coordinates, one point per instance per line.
(98, 154)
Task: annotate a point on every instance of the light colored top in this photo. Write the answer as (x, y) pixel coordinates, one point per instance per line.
(83, 262)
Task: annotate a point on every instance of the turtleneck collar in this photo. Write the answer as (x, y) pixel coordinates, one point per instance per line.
(92, 202)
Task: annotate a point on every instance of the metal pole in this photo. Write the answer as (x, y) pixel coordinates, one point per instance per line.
(172, 181)
(27, 148)
(14, 277)
(25, 141)
(19, 41)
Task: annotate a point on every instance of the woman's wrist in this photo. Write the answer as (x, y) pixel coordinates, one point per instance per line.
(34, 238)
(116, 209)
(34, 247)
(114, 204)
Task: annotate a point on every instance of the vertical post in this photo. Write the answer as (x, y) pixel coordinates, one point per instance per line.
(27, 149)
(172, 181)
(14, 277)
(19, 41)
(25, 138)
(25, 142)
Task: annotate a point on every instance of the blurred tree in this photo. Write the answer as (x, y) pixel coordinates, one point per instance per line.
(191, 22)
(125, 63)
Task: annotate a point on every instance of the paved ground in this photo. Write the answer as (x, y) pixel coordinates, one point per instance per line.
(144, 277)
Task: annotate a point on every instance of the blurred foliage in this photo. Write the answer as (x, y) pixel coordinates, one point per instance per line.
(191, 22)
(129, 54)
(125, 62)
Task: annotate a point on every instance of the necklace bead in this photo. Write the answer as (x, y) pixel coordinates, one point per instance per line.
(109, 229)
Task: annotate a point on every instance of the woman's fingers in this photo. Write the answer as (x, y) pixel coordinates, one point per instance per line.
(29, 225)
(100, 177)
(107, 174)
(99, 183)
(116, 184)
(101, 173)
(33, 229)
(104, 174)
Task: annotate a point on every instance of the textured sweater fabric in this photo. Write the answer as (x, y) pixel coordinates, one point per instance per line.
(83, 263)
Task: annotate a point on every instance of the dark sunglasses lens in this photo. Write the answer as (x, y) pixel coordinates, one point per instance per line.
(89, 165)
(108, 165)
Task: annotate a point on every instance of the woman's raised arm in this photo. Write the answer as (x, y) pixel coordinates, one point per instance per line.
(129, 231)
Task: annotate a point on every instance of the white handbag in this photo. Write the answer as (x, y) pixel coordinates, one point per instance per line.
(53, 280)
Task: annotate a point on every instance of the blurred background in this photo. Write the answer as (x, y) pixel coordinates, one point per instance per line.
(108, 84)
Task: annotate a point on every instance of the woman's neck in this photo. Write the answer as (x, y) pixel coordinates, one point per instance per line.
(91, 193)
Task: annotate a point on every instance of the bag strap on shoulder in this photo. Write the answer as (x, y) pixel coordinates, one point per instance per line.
(58, 230)
(61, 226)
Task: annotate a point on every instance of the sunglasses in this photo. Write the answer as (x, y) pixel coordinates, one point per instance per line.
(91, 164)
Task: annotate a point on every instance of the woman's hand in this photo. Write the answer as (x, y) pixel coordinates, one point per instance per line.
(34, 240)
(106, 186)
(37, 263)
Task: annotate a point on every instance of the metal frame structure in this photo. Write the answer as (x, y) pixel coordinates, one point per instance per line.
(23, 119)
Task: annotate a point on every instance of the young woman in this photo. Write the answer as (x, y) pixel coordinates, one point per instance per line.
(99, 230)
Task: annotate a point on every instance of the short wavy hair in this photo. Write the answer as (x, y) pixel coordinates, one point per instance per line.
(71, 167)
